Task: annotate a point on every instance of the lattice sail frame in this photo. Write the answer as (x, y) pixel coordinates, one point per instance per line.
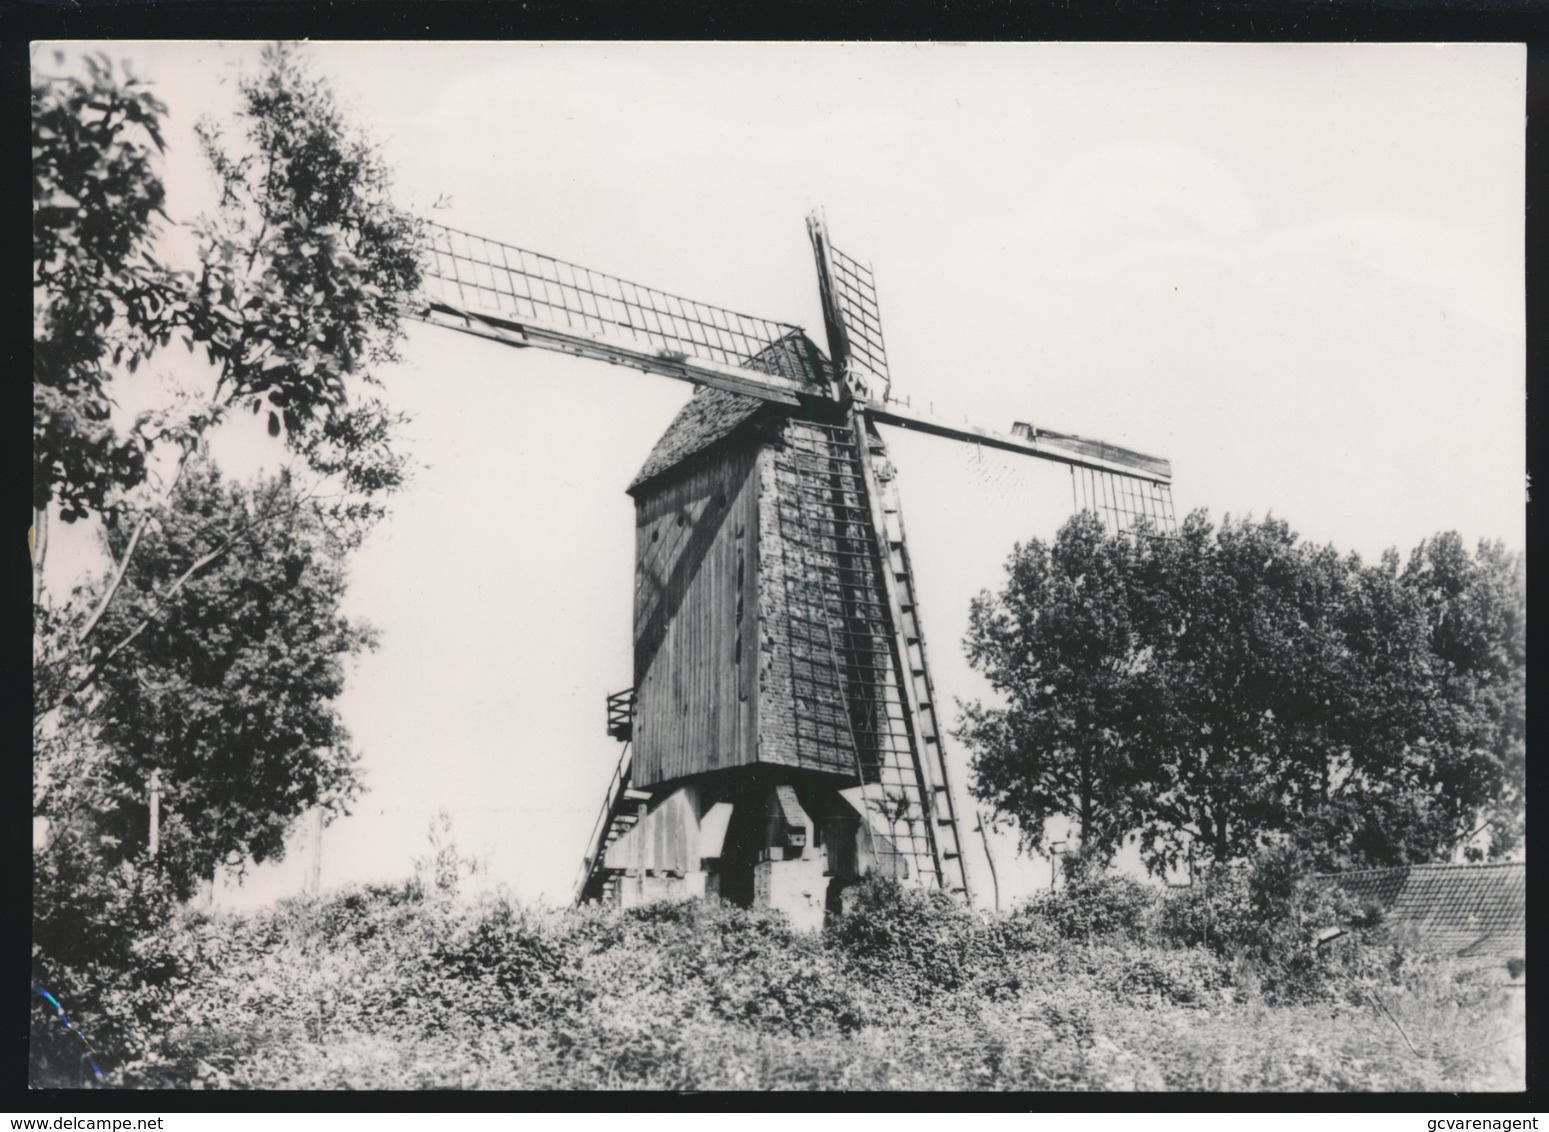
(475, 274)
(855, 289)
(1125, 504)
(851, 316)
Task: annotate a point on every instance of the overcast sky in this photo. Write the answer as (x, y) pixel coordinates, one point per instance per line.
(1296, 271)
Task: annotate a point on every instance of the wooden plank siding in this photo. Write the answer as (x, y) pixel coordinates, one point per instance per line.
(696, 605)
(715, 642)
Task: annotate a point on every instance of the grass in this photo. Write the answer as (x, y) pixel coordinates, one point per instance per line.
(377, 989)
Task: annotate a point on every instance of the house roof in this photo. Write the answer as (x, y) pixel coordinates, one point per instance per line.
(712, 415)
(1463, 910)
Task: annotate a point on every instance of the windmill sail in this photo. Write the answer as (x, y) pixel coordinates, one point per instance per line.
(851, 316)
(1125, 504)
(524, 298)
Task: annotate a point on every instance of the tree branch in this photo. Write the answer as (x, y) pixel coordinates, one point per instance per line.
(123, 564)
(39, 550)
(117, 580)
(161, 601)
(183, 579)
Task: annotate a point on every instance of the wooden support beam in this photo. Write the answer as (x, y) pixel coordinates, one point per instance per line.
(699, 371)
(1061, 447)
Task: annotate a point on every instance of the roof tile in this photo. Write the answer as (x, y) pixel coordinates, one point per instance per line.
(1466, 910)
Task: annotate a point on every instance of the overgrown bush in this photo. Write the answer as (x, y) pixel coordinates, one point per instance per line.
(1265, 915)
(904, 943)
(101, 950)
(1094, 904)
(379, 987)
(1152, 976)
(713, 963)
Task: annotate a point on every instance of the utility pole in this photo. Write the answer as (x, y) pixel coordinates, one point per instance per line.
(314, 878)
(155, 799)
(1056, 851)
(989, 858)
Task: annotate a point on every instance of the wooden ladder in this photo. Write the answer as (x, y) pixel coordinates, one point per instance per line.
(910, 636)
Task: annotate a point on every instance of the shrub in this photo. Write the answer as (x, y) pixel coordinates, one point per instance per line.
(1012, 953)
(1152, 977)
(102, 949)
(499, 954)
(1265, 915)
(758, 971)
(1212, 913)
(904, 943)
(1093, 905)
(374, 988)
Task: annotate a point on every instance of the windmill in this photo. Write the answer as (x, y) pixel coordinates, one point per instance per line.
(781, 738)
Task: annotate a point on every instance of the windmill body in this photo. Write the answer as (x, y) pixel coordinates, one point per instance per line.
(781, 739)
(764, 677)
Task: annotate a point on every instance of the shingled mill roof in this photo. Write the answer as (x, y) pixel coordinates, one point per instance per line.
(712, 415)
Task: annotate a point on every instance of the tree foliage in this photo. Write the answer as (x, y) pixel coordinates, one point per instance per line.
(1204, 692)
(230, 690)
(211, 650)
(101, 300)
(1060, 643)
(302, 270)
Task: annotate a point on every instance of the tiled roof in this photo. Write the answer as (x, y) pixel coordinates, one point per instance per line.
(1464, 910)
(711, 415)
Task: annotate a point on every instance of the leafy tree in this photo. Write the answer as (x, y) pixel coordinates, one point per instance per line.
(1059, 644)
(1476, 624)
(1245, 669)
(227, 688)
(1365, 792)
(1234, 684)
(101, 300)
(212, 649)
(302, 270)
(229, 691)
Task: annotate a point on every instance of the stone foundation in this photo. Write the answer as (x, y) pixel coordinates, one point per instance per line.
(798, 888)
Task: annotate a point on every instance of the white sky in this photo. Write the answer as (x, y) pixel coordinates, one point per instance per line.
(1295, 270)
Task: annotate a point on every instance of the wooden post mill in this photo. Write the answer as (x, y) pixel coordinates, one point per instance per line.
(781, 738)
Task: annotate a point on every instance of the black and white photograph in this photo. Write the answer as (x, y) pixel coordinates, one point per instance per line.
(817, 566)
